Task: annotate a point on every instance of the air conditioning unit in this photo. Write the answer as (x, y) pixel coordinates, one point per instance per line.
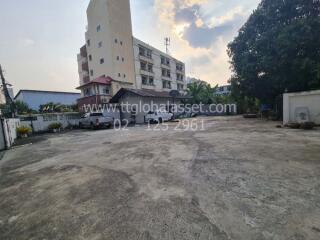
(302, 114)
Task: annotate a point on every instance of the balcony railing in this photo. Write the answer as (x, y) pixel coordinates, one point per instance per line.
(83, 51)
(85, 66)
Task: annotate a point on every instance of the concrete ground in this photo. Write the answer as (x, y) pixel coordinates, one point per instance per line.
(236, 179)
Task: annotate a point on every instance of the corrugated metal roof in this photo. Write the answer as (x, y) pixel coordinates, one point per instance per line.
(144, 93)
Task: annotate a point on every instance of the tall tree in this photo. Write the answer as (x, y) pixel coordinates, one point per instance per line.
(201, 92)
(277, 50)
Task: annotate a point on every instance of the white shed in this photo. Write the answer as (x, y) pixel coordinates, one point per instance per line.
(301, 106)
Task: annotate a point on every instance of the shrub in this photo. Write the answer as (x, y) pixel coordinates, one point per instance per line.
(307, 125)
(56, 125)
(293, 125)
(23, 130)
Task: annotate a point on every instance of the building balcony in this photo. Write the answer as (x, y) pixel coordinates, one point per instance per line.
(181, 71)
(165, 66)
(85, 67)
(83, 51)
(179, 80)
(146, 58)
(146, 72)
(166, 78)
(93, 99)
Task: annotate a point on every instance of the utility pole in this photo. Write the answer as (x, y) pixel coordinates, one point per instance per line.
(9, 101)
(167, 44)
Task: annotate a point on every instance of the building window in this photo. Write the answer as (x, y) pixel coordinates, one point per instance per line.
(88, 42)
(121, 43)
(101, 61)
(118, 58)
(166, 73)
(116, 40)
(106, 90)
(119, 74)
(98, 28)
(150, 68)
(151, 81)
(179, 67)
(145, 52)
(87, 92)
(165, 61)
(99, 44)
(180, 77)
(90, 57)
(122, 59)
(180, 86)
(143, 66)
(91, 73)
(166, 84)
(144, 80)
(148, 81)
(124, 76)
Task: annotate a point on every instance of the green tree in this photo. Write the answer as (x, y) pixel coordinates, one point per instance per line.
(277, 50)
(22, 107)
(201, 92)
(57, 108)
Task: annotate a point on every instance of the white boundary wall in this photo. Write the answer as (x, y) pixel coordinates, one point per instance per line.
(8, 132)
(41, 122)
(293, 101)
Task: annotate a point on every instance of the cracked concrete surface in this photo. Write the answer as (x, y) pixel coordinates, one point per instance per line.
(238, 179)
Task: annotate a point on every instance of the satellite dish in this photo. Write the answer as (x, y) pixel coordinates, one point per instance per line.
(174, 93)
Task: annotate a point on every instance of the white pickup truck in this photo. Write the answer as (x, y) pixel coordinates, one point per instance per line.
(158, 116)
(95, 120)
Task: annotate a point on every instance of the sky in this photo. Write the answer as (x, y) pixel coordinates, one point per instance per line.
(40, 39)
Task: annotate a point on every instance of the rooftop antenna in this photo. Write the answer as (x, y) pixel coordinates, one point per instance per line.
(167, 44)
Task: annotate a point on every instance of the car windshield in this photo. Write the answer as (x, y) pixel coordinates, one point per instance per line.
(96, 114)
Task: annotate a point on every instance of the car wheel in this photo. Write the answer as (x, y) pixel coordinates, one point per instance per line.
(160, 120)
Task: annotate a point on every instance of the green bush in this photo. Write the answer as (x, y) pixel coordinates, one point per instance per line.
(56, 125)
(23, 130)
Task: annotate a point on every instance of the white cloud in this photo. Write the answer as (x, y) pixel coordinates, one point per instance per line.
(199, 37)
(27, 42)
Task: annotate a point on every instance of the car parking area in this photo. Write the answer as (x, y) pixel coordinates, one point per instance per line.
(217, 178)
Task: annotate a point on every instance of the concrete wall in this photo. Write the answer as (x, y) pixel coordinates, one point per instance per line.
(41, 122)
(8, 132)
(34, 99)
(294, 101)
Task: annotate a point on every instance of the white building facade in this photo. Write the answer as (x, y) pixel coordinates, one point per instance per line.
(111, 52)
(157, 70)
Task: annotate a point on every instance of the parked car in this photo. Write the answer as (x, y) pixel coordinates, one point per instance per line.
(95, 120)
(158, 116)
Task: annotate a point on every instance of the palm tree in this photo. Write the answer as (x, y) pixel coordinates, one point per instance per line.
(201, 92)
(195, 91)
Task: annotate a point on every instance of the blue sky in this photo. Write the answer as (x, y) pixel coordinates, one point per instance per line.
(40, 38)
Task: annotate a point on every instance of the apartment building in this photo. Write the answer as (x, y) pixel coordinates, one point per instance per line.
(223, 90)
(157, 70)
(113, 59)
